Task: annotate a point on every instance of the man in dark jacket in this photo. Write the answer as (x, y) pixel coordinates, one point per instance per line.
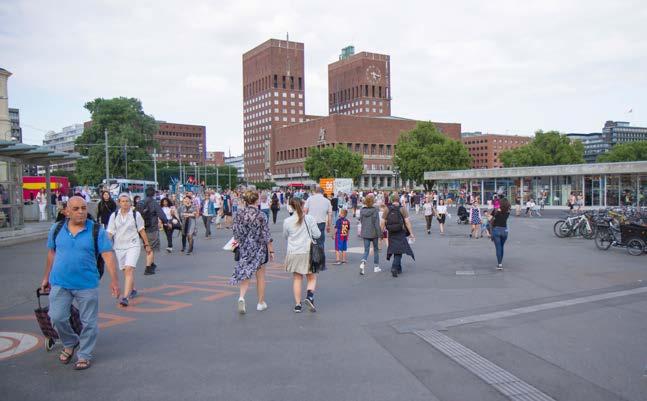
(396, 221)
(152, 213)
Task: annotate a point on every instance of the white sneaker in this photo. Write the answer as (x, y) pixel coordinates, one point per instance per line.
(499, 266)
(241, 306)
(376, 269)
(261, 307)
(361, 267)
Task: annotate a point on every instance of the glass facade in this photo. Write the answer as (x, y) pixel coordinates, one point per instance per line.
(596, 190)
(10, 194)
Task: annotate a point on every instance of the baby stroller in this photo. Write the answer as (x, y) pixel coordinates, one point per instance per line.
(462, 216)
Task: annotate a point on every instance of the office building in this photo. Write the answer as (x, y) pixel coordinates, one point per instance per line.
(613, 133)
(215, 158)
(273, 97)
(63, 141)
(16, 131)
(237, 162)
(486, 149)
(181, 142)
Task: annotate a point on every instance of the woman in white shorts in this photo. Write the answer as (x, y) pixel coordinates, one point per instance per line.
(125, 228)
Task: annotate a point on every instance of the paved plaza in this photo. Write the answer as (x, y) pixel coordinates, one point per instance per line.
(564, 321)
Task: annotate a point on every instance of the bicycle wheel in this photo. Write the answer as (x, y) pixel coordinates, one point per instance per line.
(603, 239)
(586, 231)
(636, 247)
(560, 228)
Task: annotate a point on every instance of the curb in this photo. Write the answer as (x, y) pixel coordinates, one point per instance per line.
(20, 239)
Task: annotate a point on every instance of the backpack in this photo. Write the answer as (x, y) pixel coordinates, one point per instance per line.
(134, 217)
(147, 211)
(394, 220)
(95, 236)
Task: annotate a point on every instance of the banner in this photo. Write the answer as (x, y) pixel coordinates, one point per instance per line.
(328, 185)
(343, 185)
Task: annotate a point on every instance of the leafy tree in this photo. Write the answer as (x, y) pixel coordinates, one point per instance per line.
(425, 149)
(212, 176)
(264, 185)
(127, 124)
(625, 152)
(71, 176)
(334, 162)
(547, 148)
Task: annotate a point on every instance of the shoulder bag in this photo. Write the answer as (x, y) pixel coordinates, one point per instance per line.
(317, 260)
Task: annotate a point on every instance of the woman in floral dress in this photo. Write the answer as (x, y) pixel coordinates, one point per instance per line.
(252, 234)
(475, 219)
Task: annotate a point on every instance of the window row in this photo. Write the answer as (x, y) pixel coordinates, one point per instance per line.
(273, 81)
(357, 92)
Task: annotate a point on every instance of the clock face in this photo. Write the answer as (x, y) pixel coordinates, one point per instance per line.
(373, 74)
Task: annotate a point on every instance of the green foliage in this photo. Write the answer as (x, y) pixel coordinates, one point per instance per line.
(548, 148)
(127, 124)
(334, 162)
(212, 176)
(71, 176)
(425, 149)
(264, 185)
(626, 152)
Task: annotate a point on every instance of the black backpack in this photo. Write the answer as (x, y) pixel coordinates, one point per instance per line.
(95, 237)
(148, 212)
(394, 220)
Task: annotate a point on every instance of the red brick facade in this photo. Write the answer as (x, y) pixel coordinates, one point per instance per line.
(360, 85)
(486, 149)
(216, 158)
(181, 142)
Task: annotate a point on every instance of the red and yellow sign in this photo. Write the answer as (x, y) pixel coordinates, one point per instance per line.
(328, 185)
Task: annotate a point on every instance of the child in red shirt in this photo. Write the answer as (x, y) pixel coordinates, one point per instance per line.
(342, 231)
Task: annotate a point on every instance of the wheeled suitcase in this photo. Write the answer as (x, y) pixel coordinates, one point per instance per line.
(45, 323)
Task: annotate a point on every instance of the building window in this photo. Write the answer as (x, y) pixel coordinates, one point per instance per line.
(365, 90)
(291, 82)
(283, 86)
(365, 149)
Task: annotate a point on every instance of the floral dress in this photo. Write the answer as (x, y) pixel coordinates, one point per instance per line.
(475, 215)
(252, 232)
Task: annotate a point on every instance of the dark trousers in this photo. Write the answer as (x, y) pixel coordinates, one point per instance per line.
(184, 240)
(322, 239)
(499, 235)
(207, 224)
(396, 265)
(275, 212)
(169, 237)
(429, 219)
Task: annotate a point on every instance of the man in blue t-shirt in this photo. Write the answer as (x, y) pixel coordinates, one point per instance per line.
(71, 275)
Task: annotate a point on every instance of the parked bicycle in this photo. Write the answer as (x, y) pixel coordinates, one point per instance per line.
(580, 224)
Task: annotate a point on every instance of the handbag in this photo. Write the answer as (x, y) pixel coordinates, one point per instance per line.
(317, 259)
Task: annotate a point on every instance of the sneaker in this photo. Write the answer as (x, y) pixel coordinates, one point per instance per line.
(133, 294)
(148, 271)
(297, 308)
(182, 250)
(261, 307)
(376, 269)
(499, 267)
(123, 302)
(153, 267)
(428, 232)
(394, 273)
(188, 253)
(241, 306)
(310, 303)
(362, 266)
(169, 250)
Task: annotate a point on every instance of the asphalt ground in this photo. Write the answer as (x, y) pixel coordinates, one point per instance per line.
(566, 320)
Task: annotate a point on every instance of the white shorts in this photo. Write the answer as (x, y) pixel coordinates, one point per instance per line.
(127, 257)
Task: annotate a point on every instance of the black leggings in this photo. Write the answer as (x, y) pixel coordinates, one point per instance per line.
(274, 213)
(169, 237)
(190, 238)
(429, 219)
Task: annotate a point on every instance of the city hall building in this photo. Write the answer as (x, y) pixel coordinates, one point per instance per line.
(601, 184)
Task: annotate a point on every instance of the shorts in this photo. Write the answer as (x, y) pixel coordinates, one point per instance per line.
(153, 235)
(341, 245)
(127, 257)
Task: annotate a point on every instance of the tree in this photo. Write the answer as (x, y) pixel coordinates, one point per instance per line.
(546, 149)
(127, 124)
(212, 176)
(71, 176)
(334, 162)
(264, 185)
(625, 152)
(425, 149)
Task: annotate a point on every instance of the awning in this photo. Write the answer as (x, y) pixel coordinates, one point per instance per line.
(32, 154)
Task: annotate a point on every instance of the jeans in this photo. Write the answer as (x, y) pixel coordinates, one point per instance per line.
(376, 251)
(267, 213)
(500, 235)
(322, 238)
(207, 224)
(396, 265)
(335, 214)
(60, 300)
(275, 212)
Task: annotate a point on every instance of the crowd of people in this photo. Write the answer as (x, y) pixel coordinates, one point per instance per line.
(382, 219)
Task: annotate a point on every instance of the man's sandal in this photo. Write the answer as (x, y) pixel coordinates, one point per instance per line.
(82, 364)
(66, 357)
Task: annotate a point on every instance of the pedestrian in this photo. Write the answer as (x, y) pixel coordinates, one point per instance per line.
(151, 213)
(319, 207)
(275, 206)
(125, 228)
(105, 208)
(341, 234)
(300, 230)
(441, 215)
(136, 201)
(399, 227)
(500, 229)
(41, 199)
(217, 200)
(485, 224)
(475, 219)
(334, 204)
(71, 275)
(384, 209)
(170, 212)
(428, 211)
(207, 210)
(252, 234)
(371, 232)
(53, 201)
(227, 208)
(188, 214)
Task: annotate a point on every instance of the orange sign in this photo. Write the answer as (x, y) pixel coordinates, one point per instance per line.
(328, 185)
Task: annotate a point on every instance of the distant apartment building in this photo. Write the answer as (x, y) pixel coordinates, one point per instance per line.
(486, 149)
(215, 158)
(181, 142)
(613, 133)
(16, 131)
(239, 163)
(63, 141)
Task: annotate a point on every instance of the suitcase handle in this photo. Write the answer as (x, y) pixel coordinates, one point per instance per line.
(40, 294)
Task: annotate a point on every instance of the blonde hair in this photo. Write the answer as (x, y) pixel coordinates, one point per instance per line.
(295, 203)
(250, 197)
(369, 201)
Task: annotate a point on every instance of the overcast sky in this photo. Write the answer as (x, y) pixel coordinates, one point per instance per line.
(497, 66)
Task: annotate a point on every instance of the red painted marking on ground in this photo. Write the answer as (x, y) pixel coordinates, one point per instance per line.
(22, 317)
(113, 320)
(220, 295)
(170, 305)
